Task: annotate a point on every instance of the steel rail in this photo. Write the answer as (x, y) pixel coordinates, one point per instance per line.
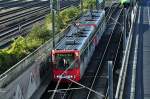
(16, 28)
(21, 16)
(85, 86)
(23, 21)
(2, 23)
(56, 88)
(52, 97)
(115, 58)
(66, 91)
(13, 33)
(10, 74)
(14, 3)
(99, 67)
(121, 81)
(58, 82)
(40, 12)
(22, 7)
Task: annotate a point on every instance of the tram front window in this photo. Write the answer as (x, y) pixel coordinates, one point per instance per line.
(64, 60)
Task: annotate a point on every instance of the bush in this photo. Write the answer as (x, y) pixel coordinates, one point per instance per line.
(9, 57)
(18, 47)
(23, 46)
(39, 32)
(68, 14)
(87, 4)
(62, 20)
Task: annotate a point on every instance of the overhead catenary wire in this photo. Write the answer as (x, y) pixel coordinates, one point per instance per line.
(100, 65)
(70, 80)
(115, 59)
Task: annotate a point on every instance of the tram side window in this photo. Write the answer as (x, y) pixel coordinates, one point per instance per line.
(84, 55)
(100, 29)
(86, 52)
(91, 46)
(103, 26)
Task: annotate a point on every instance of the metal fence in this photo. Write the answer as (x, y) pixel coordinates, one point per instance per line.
(42, 53)
(121, 81)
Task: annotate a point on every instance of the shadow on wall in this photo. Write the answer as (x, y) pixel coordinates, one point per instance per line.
(45, 70)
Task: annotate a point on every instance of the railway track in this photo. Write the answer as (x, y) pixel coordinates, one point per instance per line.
(22, 6)
(27, 18)
(8, 4)
(116, 50)
(98, 78)
(16, 31)
(127, 90)
(96, 73)
(14, 24)
(11, 17)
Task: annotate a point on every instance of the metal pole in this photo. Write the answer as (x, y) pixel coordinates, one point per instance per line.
(53, 22)
(110, 80)
(97, 4)
(58, 6)
(124, 31)
(125, 24)
(58, 12)
(53, 27)
(81, 3)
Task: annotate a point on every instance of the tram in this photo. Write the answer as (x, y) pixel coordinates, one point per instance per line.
(72, 54)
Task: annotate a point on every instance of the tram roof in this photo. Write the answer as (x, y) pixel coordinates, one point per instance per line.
(77, 36)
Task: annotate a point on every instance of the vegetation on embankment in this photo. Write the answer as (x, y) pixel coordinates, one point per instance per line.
(23, 46)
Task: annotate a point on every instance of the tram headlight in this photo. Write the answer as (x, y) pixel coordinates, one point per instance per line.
(77, 54)
(67, 76)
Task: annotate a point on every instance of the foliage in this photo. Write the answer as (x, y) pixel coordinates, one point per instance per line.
(68, 14)
(6, 59)
(10, 56)
(88, 3)
(23, 46)
(62, 19)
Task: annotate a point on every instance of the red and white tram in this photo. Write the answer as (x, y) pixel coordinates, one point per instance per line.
(76, 48)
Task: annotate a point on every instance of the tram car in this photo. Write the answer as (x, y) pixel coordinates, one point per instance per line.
(74, 51)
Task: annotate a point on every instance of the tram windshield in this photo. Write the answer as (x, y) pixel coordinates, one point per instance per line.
(64, 60)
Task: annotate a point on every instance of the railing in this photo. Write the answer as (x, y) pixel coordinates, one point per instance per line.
(122, 76)
(42, 53)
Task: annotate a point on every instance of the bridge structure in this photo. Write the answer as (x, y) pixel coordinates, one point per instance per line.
(124, 47)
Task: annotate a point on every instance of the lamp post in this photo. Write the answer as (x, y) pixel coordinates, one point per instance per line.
(58, 6)
(58, 12)
(81, 3)
(53, 22)
(97, 4)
